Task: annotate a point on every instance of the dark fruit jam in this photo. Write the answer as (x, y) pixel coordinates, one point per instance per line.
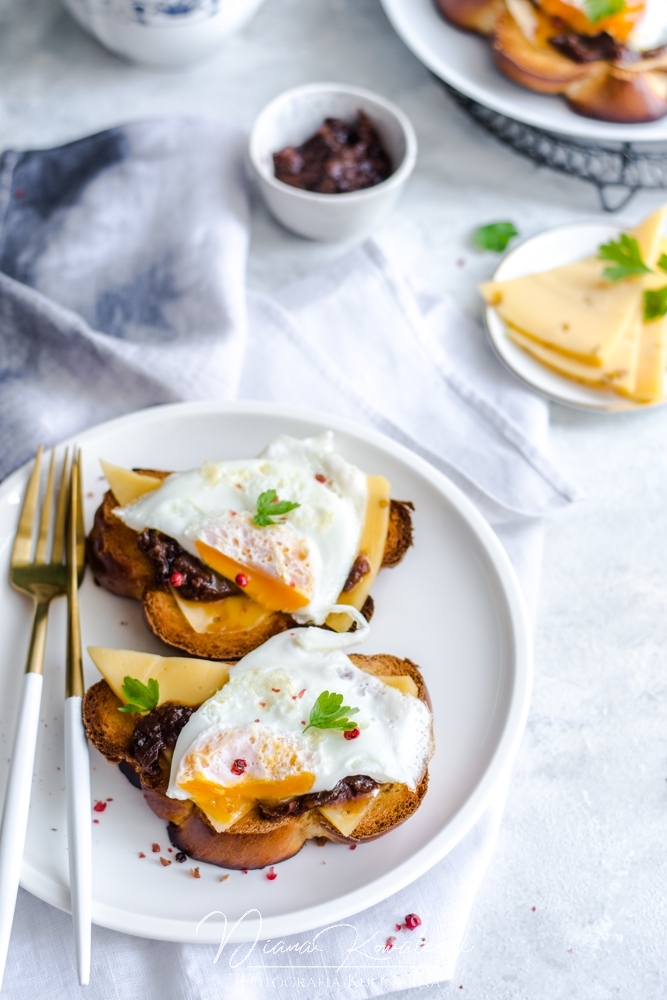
(341, 156)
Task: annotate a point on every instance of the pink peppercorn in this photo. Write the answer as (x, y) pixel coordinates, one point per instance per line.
(412, 921)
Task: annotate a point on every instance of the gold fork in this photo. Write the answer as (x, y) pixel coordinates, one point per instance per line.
(77, 762)
(43, 580)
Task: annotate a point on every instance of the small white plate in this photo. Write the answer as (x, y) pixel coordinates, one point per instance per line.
(550, 249)
(464, 60)
(453, 606)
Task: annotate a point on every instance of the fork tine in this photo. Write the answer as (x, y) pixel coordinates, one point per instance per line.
(42, 538)
(80, 528)
(23, 542)
(61, 514)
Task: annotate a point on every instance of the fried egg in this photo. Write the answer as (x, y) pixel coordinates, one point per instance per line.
(298, 564)
(641, 24)
(248, 743)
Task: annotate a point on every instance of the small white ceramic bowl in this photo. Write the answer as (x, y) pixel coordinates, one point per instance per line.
(292, 118)
(165, 34)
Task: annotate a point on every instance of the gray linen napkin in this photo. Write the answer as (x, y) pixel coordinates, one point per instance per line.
(121, 286)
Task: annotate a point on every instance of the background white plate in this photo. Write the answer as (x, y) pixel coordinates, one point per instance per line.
(554, 248)
(453, 606)
(464, 60)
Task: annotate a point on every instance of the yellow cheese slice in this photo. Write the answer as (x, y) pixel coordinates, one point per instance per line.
(573, 309)
(128, 486)
(650, 382)
(346, 816)
(180, 678)
(611, 376)
(371, 547)
(232, 614)
(405, 684)
(560, 363)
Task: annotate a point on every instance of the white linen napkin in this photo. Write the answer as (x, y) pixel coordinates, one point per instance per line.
(351, 339)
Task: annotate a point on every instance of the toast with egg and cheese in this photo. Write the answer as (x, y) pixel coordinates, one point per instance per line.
(226, 584)
(609, 60)
(245, 791)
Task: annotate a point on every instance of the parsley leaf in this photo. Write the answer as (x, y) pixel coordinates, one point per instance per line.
(598, 10)
(268, 505)
(625, 254)
(329, 712)
(495, 236)
(655, 304)
(662, 263)
(140, 697)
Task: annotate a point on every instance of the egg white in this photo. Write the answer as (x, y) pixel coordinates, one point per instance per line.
(198, 505)
(651, 32)
(278, 684)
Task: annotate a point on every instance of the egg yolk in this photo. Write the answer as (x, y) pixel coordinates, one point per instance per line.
(225, 804)
(619, 26)
(269, 591)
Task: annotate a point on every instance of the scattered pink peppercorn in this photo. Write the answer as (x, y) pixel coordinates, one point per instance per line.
(412, 921)
(141, 854)
(239, 766)
(155, 848)
(241, 579)
(389, 943)
(275, 690)
(271, 874)
(399, 927)
(109, 800)
(320, 478)
(96, 821)
(353, 847)
(351, 734)
(99, 807)
(244, 871)
(301, 693)
(176, 579)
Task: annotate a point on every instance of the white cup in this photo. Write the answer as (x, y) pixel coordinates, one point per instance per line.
(292, 118)
(165, 34)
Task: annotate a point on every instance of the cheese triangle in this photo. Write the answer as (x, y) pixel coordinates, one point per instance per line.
(652, 355)
(577, 312)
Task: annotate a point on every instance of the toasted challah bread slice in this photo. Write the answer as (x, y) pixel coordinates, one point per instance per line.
(119, 565)
(255, 840)
(595, 71)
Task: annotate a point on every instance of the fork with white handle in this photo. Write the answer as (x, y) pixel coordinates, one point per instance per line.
(77, 761)
(43, 581)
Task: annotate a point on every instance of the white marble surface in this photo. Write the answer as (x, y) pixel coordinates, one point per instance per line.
(574, 904)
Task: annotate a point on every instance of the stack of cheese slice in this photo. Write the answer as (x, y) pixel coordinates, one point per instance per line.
(586, 328)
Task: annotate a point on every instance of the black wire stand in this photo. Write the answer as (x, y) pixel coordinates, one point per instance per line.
(617, 172)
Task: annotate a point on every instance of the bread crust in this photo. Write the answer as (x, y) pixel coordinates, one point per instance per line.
(472, 15)
(119, 566)
(254, 841)
(604, 89)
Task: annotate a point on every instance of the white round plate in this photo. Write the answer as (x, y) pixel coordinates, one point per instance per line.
(550, 249)
(453, 606)
(464, 60)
